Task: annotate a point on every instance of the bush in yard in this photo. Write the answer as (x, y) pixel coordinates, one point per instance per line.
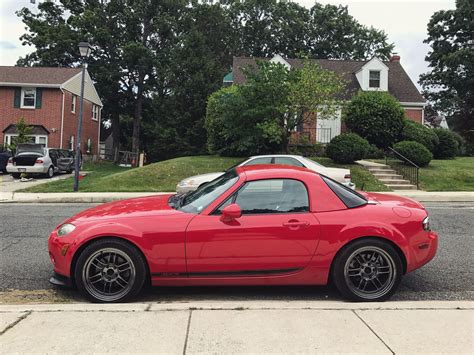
(375, 116)
(413, 131)
(346, 148)
(447, 147)
(374, 153)
(461, 143)
(414, 151)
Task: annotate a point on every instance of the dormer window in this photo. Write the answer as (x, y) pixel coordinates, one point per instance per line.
(374, 79)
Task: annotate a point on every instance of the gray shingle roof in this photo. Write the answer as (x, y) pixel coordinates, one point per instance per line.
(399, 83)
(36, 75)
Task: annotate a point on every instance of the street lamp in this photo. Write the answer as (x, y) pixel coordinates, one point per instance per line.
(85, 51)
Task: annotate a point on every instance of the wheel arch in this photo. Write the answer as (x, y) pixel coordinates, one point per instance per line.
(84, 245)
(399, 251)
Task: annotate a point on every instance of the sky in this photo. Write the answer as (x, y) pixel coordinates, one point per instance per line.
(404, 21)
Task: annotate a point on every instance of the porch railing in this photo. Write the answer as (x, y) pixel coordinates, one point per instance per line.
(403, 166)
(316, 134)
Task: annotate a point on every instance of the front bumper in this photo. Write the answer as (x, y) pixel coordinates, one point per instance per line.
(34, 169)
(423, 251)
(60, 280)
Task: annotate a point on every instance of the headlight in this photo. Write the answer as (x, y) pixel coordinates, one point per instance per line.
(65, 229)
(426, 224)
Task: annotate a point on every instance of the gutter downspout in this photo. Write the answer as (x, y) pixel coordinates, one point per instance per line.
(98, 135)
(62, 120)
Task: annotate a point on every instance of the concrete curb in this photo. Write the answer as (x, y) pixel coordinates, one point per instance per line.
(71, 197)
(101, 197)
(238, 305)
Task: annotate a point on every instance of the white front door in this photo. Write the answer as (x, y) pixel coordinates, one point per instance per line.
(328, 128)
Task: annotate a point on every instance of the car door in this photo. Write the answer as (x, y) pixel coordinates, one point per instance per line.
(275, 234)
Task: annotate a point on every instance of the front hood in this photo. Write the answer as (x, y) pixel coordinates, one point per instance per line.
(392, 200)
(135, 207)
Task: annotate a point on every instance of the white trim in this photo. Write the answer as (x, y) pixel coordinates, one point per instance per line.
(98, 134)
(71, 78)
(373, 59)
(22, 98)
(31, 85)
(279, 59)
(423, 116)
(62, 121)
(95, 109)
(73, 103)
(413, 108)
(7, 139)
(413, 104)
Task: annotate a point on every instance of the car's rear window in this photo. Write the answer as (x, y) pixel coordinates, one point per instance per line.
(348, 196)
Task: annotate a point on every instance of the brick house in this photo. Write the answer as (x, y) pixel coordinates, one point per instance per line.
(370, 75)
(48, 99)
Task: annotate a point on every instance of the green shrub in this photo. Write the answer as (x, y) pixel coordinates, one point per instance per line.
(413, 131)
(375, 116)
(308, 150)
(374, 153)
(346, 148)
(461, 143)
(414, 151)
(447, 147)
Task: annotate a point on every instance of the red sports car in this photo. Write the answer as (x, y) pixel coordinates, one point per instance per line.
(256, 225)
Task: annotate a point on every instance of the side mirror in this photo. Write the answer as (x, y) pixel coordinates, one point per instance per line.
(231, 212)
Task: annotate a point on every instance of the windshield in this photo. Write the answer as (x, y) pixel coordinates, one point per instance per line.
(30, 148)
(198, 200)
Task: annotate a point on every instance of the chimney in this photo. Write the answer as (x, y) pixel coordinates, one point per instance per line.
(395, 58)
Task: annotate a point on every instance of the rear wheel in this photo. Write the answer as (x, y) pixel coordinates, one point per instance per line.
(50, 172)
(16, 175)
(110, 270)
(367, 270)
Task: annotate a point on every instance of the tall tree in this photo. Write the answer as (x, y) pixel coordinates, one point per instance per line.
(450, 83)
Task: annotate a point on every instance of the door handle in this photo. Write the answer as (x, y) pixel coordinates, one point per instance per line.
(294, 224)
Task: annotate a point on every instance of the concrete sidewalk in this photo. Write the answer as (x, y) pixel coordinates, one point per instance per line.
(101, 197)
(239, 327)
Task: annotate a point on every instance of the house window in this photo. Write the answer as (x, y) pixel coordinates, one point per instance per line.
(374, 79)
(71, 143)
(95, 112)
(28, 97)
(73, 103)
(12, 139)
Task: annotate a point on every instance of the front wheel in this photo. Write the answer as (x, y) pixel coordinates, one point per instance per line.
(110, 270)
(367, 270)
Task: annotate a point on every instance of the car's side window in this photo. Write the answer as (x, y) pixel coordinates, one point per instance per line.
(288, 161)
(256, 161)
(270, 196)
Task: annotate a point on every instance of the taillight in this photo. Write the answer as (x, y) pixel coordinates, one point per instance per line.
(39, 161)
(347, 176)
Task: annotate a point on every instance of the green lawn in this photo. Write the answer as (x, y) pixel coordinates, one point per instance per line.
(448, 175)
(163, 176)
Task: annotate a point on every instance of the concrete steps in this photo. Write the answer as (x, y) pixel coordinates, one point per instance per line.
(386, 175)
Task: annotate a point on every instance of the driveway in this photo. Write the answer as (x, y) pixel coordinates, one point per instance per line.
(9, 184)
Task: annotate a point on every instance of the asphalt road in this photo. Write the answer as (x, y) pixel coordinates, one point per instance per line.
(25, 265)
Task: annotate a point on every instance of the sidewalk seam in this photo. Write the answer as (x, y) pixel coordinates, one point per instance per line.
(187, 332)
(368, 326)
(10, 326)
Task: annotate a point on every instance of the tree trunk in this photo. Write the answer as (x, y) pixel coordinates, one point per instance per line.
(137, 115)
(115, 131)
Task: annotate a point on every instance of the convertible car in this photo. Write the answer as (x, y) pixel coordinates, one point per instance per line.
(254, 225)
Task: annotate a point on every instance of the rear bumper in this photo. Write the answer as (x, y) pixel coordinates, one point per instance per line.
(35, 169)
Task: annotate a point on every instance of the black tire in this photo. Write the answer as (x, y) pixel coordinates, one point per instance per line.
(96, 290)
(50, 172)
(16, 175)
(367, 270)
